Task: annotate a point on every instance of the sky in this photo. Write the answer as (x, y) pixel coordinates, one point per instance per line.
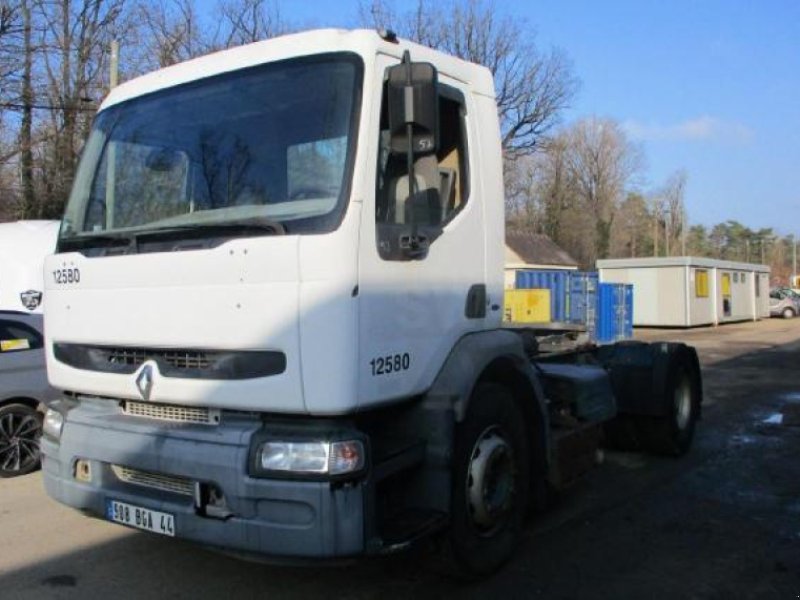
(708, 86)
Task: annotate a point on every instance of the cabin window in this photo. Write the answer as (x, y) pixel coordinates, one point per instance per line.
(701, 283)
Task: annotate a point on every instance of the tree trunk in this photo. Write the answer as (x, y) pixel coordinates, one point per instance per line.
(603, 230)
(26, 125)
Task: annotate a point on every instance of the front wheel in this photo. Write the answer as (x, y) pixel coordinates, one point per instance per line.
(20, 429)
(491, 479)
(788, 313)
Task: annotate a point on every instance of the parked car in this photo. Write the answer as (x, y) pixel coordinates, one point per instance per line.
(784, 302)
(24, 391)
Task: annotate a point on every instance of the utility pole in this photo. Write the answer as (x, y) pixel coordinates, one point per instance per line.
(794, 261)
(684, 230)
(113, 76)
(655, 234)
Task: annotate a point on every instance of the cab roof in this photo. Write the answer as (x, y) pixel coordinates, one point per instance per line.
(365, 42)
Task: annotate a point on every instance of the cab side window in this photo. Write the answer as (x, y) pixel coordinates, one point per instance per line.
(441, 180)
(15, 337)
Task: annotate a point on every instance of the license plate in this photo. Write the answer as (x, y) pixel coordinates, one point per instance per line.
(141, 518)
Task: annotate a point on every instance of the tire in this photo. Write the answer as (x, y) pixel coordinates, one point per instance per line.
(491, 484)
(672, 434)
(20, 430)
(787, 313)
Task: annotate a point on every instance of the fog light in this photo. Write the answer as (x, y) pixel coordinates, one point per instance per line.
(83, 470)
(322, 458)
(53, 423)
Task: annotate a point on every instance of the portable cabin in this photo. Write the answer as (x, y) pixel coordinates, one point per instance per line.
(687, 291)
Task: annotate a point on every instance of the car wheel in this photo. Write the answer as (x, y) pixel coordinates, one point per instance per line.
(788, 313)
(491, 480)
(20, 430)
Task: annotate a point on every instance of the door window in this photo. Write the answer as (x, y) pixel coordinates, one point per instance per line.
(441, 180)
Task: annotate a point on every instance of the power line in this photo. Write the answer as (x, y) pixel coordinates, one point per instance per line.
(15, 106)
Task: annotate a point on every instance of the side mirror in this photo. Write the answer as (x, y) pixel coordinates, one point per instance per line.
(413, 107)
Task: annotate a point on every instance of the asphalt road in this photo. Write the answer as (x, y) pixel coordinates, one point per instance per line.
(723, 522)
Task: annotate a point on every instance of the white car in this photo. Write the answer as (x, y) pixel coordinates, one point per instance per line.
(784, 302)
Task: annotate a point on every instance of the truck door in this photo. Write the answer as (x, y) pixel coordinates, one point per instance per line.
(413, 309)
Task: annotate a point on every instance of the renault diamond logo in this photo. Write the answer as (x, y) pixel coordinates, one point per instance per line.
(144, 381)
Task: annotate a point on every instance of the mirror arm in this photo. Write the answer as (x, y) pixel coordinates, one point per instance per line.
(412, 180)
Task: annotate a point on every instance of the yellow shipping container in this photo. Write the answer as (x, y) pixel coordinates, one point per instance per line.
(527, 306)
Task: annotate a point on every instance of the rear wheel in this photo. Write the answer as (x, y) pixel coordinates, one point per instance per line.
(20, 430)
(491, 479)
(788, 313)
(672, 434)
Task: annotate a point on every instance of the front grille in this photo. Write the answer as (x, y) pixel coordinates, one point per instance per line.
(178, 359)
(156, 481)
(171, 412)
(185, 363)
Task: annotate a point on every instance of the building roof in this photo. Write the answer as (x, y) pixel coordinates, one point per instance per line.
(524, 248)
(679, 261)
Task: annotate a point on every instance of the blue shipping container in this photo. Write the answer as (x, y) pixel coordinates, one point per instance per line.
(605, 309)
(614, 313)
(555, 281)
(606, 313)
(583, 298)
(627, 327)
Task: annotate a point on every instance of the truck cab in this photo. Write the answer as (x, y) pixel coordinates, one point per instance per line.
(274, 313)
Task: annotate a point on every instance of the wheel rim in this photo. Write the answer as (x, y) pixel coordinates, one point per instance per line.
(19, 442)
(683, 403)
(491, 481)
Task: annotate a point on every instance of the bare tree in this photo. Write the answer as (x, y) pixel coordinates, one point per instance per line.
(75, 41)
(11, 27)
(26, 123)
(602, 164)
(532, 86)
(247, 21)
(172, 32)
(631, 231)
(674, 212)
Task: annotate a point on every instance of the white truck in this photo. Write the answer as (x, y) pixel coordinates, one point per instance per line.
(275, 313)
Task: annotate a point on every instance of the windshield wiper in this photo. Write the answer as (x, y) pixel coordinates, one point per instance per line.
(258, 226)
(94, 240)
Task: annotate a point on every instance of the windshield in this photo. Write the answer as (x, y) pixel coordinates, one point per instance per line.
(273, 142)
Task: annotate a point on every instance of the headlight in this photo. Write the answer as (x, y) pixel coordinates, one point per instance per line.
(311, 458)
(53, 422)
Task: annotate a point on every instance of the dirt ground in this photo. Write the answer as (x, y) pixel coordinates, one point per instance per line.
(723, 522)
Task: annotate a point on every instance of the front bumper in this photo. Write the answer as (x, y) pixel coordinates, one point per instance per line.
(281, 518)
